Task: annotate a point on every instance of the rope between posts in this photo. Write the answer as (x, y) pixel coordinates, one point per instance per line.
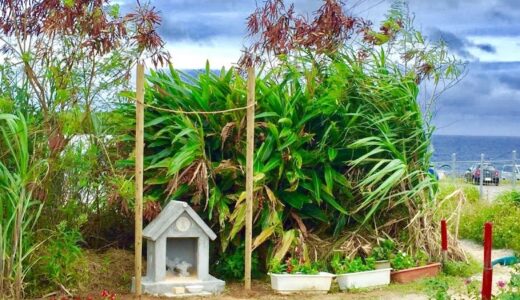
(197, 112)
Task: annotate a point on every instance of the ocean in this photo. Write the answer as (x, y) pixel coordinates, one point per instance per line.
(496, 149)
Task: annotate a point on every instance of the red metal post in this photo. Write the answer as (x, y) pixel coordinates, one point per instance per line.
(487, 276)
(444, 240)
(444, 235)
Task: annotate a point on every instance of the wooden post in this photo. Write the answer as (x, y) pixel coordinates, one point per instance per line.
(139, 148)
(250, 144)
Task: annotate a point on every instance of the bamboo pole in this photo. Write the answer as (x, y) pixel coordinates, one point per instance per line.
(139, 148)
(250, 143)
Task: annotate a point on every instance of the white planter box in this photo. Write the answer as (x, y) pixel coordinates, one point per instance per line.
(294, 283)
(383, 264)
(363, 279)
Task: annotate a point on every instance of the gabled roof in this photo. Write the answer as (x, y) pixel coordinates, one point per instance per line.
(168, 215)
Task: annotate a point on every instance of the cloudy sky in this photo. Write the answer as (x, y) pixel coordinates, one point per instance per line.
(485, 33)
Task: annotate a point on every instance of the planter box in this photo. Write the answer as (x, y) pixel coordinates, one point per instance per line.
(294, 283)
(383, 264)
(412, 274)
(364, 279)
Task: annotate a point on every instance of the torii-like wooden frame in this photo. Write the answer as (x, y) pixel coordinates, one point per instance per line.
(139, 158)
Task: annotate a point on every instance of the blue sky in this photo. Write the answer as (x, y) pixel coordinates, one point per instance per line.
(485, 33)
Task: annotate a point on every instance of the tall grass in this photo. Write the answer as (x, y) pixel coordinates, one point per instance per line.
(18, 213)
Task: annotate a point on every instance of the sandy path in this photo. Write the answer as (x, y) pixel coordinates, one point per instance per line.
(491, 192)
(477, 251)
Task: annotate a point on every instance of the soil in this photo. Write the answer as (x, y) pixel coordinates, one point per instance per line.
(262, 291)
(113, 269)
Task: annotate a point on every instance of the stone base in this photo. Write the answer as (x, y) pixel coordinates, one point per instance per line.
(212, 286)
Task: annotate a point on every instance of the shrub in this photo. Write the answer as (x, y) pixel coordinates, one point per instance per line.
(231, 266)
(503, 213)
(512, 196)
(342, 265)
(330, 155)
(462, 268)
(384, 250)
(61, 262)
(437, 288)
(402, 261)
(341, 140)
(294, 266)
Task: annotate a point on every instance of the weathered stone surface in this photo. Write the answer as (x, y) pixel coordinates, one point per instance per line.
(178, 252)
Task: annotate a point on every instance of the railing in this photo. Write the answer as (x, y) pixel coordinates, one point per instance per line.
(463, 171)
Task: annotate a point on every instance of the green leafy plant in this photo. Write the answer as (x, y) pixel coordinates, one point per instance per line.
(231, 266)
(62, 262)
(402, 261)
(512, 196)
(461, 268)
(437, 289)
(294, 266)
(277, 267)
(384, 251)
(301, 161)
(421, 258)
(342, 265)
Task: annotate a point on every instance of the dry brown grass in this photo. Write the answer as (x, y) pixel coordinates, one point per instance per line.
(111, 270)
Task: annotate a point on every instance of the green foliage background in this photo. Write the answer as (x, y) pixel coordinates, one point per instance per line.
(504, 213)
(341, 144)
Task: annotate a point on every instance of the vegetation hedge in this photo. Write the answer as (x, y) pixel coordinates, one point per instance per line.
(340, 144)
(504, 213)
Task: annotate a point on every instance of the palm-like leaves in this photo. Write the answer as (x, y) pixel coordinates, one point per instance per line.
(335, 146)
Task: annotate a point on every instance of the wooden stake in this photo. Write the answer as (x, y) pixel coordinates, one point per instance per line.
(139, 148)
(250, 144)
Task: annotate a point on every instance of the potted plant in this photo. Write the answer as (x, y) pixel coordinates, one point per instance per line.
(358, 272)
(408, 268)
(382, 253)
(295, 276)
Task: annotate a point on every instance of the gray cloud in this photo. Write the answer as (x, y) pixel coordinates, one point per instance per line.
(512, 81)
(201, 27)
(486, 101)
(201, 20)
(459, 45)
(486, 48)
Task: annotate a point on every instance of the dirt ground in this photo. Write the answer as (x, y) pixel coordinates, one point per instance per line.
(113, 269)
(262, 291)
(492, 191)
(500, 273)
